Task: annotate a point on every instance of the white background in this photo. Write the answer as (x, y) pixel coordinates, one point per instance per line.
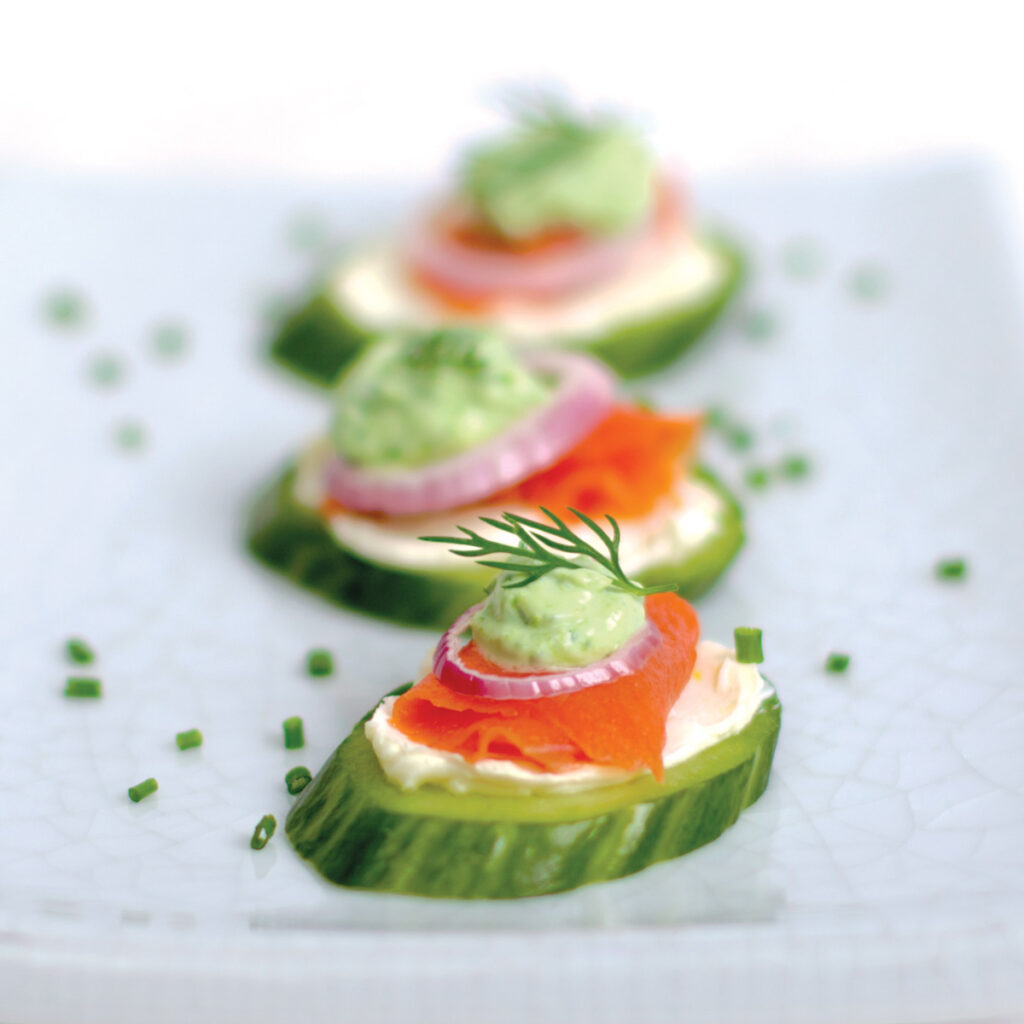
(346, 90)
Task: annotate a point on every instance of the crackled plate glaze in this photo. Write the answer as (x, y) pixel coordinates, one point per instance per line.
(879, 878)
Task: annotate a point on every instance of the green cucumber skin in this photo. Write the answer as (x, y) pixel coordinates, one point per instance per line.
(318, 340)
(295, 541)
(359, 830)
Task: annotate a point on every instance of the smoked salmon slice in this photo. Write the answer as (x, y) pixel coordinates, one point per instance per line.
(622, 468)
(619, 724)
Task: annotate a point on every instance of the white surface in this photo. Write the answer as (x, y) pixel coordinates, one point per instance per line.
(879, 877)
(326, 88)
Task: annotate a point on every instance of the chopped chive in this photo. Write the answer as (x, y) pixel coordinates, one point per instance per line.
(319, 662)
(758, 324)
(106, 370)
(170, 340)
(748, 645)
(188, 739)
(740, 438)
(951, 569)
(297, 779)
(757, 478)
(836, 662)
(264, 829)
(142, 790)
(65, 308)
(79, 651)
(868, 283)
(130, 436)
(716, 418)
(294, 735)
(795, 466)
(83, 686)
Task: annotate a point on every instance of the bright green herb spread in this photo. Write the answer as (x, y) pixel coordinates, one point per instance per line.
(566, 617)
(556, 170)
(409, 402)
(560, 601)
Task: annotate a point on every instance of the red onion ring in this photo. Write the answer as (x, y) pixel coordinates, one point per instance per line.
(582, 399)
(480, 274)
(562, 268)
(448, 668)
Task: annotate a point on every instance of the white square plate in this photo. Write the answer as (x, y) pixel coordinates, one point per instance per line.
(880, 877)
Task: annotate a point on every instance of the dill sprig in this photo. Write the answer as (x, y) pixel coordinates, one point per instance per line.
(543, 547)
(546, 111)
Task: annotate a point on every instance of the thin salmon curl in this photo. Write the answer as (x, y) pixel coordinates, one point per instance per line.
(628, 463)
(619, 724)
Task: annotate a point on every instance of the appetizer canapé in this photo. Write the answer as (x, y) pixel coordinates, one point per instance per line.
(454, 426)
(573, 728)
(562, 233)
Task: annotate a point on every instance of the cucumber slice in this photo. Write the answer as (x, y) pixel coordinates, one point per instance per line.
(319, 339)
(358, 829)
(294, 540)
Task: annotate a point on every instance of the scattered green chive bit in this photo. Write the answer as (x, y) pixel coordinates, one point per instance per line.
(716, 418)
(748, 645)
(130, 436)
(802, 259)
(740, 438)
(951, 569)
(83, 686)
(320, 663)
(758, 324)
(188, 739)
(837, 662)
(170, 340)
(757, 478)
(795, 467)
(264, 829)
(79, 651)
(868, 283)
(297, 779)
(294, 736)
(142, 790)
(65, 308)
(737, 436)
(106, 370)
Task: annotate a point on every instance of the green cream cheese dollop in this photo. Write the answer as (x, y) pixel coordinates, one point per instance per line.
(556, 171)
(564, 619)
(407, 402)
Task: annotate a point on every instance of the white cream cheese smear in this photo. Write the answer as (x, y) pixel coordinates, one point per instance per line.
(721, 697)
(682, 521)
(373, 287)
